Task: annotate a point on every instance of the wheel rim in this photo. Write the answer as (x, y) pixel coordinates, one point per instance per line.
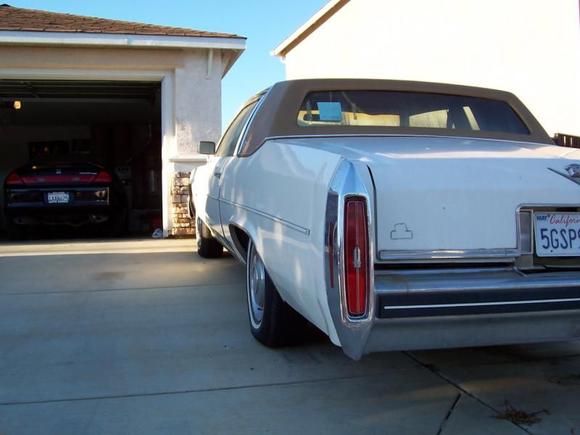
(256, 287)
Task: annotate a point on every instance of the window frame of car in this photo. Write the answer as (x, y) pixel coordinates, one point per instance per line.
(228, 143)
(257, 100)
(243, 117)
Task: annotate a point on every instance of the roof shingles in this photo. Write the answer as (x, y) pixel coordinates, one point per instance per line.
(32, 20)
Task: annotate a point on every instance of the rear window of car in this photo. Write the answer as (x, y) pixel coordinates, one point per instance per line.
(409, 109)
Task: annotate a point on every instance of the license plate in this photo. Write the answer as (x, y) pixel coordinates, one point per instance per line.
(557, 234)
(57, 197)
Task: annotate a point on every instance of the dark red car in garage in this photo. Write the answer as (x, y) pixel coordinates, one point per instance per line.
(63, 194)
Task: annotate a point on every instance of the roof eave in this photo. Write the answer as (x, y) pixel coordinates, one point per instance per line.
(331, 8)
(17, 37)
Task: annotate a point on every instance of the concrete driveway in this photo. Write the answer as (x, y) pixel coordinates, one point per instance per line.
(144, 337)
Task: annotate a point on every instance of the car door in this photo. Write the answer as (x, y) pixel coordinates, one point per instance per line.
(218, 164)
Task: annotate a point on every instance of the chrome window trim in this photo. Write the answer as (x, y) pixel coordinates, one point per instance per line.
(323, 136)
(259, 101)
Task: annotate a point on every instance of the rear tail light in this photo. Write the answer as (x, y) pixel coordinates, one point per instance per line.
(356, 256)
(103, 177)
(14, 179)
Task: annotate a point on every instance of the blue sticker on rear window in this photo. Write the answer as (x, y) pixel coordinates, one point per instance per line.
(331, 112)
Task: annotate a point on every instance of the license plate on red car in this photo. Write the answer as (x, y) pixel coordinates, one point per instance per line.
(57, 198)
(557, 234)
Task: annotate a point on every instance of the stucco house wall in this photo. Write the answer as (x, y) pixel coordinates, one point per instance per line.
(528, 47)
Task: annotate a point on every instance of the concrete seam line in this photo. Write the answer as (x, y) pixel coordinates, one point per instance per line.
(448, 415)
(93, 252)
(442, 376)
(106, 290)
(192, 391)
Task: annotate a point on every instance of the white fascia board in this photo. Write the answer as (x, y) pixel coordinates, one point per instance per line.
(279, 50)
(119, 40)
(81, 74)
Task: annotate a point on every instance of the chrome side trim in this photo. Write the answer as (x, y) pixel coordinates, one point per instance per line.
(260, 100)
(479, 304)
(436, 294)
(441, 280)
(291, 225)
(446, 254)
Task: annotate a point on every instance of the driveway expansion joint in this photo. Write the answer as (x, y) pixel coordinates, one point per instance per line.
(180, 392)
(448, 415)
(433, 369)
(113, 290)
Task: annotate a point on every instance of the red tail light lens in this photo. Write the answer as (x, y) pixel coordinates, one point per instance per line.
(356, 256)
(14, 179)
(103, 177)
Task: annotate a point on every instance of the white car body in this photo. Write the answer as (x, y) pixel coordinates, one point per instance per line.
(445, 221)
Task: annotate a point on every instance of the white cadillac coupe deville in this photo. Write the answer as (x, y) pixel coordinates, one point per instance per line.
(395, 215)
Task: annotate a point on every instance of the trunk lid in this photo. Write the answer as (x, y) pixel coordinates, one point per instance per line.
(441, 193)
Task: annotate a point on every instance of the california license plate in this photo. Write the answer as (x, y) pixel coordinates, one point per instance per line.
(57, 197)
(557, 234)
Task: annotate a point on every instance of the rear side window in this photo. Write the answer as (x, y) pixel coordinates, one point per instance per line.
(227, 145)
(408, 109)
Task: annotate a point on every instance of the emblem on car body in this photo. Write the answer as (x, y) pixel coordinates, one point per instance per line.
(572, 173)
(401, 232)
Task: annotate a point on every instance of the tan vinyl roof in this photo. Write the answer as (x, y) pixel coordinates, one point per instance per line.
(32, 20)
(277, 115)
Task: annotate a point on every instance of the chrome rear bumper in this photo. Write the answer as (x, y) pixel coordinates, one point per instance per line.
(429, 309)
(472, 331)
(440, 293)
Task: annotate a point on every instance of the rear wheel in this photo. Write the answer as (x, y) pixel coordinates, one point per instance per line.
(272, 321)
(207, 245)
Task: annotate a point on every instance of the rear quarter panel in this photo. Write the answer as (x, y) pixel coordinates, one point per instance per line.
(200, 190)
(278, 196)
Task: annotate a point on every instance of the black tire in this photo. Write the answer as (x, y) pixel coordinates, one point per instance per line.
(207, 245)
(279, 324)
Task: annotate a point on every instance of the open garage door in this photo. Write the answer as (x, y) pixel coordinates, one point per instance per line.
(79, 132)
